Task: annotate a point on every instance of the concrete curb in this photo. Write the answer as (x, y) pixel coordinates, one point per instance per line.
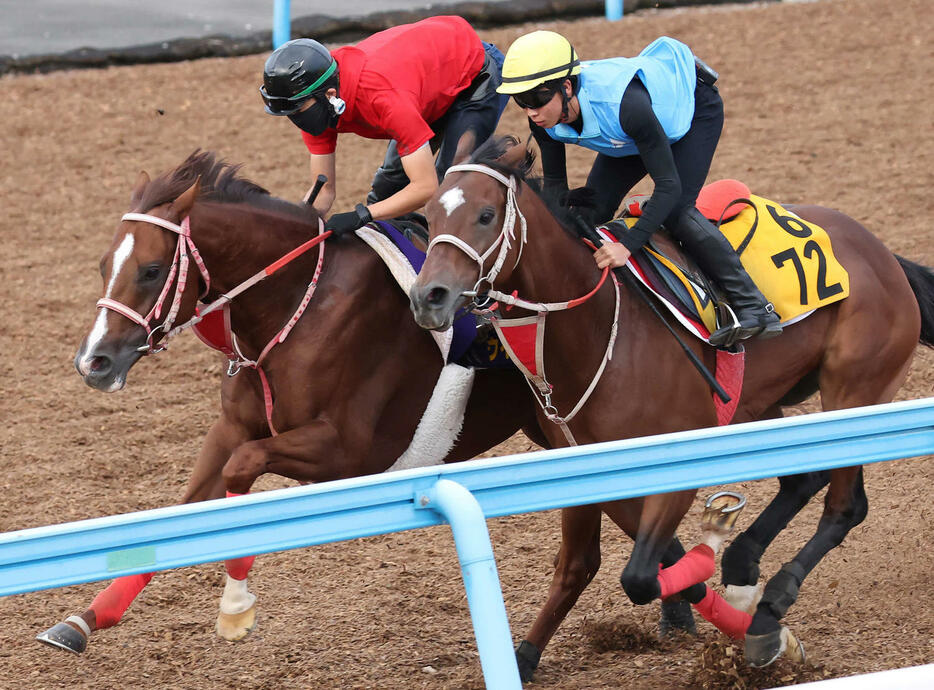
(326, 28)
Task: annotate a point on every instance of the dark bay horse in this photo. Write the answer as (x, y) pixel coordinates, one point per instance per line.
(855, 352)
(349, 384)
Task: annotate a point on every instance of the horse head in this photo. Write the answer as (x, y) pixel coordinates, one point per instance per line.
(144, 273)
(476, 231)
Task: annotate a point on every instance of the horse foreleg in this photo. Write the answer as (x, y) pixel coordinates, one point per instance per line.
(740, 562)
(641, 579)
(575, 566)
(844, 507)
(109, 606)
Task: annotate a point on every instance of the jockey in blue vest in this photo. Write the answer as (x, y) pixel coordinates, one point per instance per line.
(657, 114)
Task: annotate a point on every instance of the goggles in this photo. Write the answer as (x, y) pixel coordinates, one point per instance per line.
(534, 98)
(281, 105)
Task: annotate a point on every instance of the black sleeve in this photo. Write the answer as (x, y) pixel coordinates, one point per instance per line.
(554, 160)
(638, 120)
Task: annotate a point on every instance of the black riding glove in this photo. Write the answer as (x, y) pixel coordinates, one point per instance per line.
(343, 223)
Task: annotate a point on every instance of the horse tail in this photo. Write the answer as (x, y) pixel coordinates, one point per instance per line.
(921, 280)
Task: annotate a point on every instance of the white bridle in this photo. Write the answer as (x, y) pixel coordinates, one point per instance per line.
(506, 236)
(537, 382)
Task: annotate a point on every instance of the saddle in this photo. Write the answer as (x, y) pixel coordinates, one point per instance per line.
(790, 259)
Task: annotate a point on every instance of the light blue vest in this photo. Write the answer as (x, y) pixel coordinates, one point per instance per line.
(667, 69)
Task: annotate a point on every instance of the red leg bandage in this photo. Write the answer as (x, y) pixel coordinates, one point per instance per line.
(239, 568)
(110, 605)
(695, 566)
(730, 621)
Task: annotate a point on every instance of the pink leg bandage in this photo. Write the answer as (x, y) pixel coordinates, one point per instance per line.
(730, 621)
(239, 568)
(695, 566)
(110, 605)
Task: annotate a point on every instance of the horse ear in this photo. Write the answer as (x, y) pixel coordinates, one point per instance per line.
(142, 181)
(515, 154)
(465, 146)
(182, 205)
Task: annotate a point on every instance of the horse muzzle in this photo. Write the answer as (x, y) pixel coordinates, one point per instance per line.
(434, 305)
(106, 368)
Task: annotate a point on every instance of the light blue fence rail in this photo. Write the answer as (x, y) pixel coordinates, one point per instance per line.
(463, 495)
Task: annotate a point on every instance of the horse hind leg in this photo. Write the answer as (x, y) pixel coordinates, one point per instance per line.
(845, 507)
(575, 566)
(740, 562)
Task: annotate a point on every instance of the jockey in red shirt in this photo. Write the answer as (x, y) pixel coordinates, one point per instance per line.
(420, 85)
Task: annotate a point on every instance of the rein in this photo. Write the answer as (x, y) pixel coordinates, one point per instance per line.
(536, 379)
(237, 360)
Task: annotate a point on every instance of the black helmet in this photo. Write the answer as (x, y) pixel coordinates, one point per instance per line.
(294, 73)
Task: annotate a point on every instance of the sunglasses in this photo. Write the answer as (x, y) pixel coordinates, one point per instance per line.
(534, 99)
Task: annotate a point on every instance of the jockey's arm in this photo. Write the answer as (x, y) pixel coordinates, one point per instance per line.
(419, 167)
(638, 120)
(323, 165)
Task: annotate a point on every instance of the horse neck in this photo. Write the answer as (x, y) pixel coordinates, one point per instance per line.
(554, 267)
(236, 241)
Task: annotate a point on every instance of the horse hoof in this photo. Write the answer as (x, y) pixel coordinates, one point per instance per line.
(677, 616)
(721, 511)
(236, 626)
(527, 658)
(762, 650)
(64, 636)
(744, 597)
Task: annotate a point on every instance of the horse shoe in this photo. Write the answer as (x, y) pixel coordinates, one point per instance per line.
(721, 511)
(65, 636)
(762, 650)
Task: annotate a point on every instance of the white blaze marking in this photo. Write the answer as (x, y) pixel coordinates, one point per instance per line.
(100, 323)
(451, 199)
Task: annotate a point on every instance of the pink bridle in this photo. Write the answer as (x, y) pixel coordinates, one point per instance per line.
(179, 266)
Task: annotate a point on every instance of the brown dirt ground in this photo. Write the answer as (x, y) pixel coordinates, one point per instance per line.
(827, 102)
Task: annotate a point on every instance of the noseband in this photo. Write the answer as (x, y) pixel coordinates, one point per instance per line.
(179, 266)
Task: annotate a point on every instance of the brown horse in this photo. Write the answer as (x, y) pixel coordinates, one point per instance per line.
(349, 383)
(856, 352)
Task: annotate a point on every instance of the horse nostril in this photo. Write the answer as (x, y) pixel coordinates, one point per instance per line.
(437, 295)
(100, 364)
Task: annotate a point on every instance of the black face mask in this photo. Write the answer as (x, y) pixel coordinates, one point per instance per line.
(315, 119)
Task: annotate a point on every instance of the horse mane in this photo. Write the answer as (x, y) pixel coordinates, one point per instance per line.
(220, 182)
(489, 154)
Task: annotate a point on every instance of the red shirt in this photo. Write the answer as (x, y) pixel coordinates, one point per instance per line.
(396, 82)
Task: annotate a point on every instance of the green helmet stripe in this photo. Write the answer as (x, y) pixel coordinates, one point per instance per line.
(318, 82)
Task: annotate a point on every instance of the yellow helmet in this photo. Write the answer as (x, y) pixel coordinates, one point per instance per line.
(536, 58)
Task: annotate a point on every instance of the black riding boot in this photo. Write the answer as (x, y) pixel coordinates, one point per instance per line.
(716, 257)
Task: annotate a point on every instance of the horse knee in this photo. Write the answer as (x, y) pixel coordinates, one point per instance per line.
(579, 571)
(246, 463)
(640, 586)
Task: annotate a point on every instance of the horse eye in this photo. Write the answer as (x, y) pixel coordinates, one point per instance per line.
(486, 216)
(150, 273)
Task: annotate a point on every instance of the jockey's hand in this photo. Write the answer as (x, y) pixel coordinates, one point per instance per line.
(612, 254)
(343, 223)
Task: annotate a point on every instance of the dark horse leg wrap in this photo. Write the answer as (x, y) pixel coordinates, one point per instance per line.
(527, 658)
(780, 593)
(740, 562)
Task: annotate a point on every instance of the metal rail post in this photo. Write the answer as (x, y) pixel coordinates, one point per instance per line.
(481, 580)
(281, 22)
(614, 10)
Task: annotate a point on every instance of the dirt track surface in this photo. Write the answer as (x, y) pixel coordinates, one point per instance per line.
(826, 103)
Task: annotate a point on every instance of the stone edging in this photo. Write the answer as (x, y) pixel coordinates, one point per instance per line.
(326, 28)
